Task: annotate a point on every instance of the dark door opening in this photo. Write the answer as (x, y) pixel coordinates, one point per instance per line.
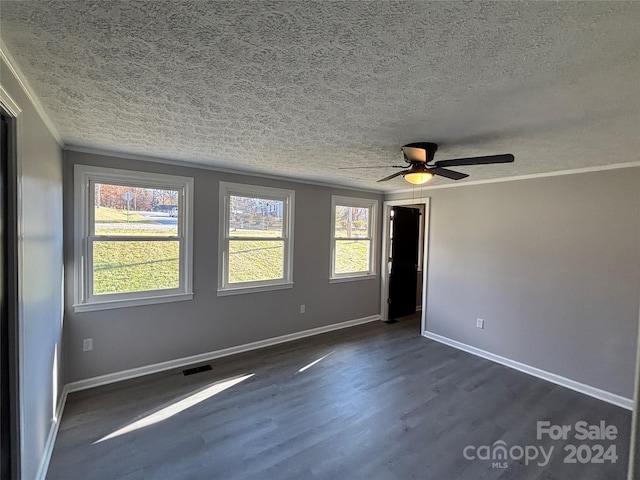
(403, 268)
(8, 444)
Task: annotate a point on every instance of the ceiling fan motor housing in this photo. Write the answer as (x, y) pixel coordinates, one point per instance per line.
(419, 152)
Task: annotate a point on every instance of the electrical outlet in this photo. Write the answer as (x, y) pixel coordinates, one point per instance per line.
(87, 344)
(479, 323)
(303, 308)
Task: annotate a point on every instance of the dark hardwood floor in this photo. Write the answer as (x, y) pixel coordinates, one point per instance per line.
(383, 403)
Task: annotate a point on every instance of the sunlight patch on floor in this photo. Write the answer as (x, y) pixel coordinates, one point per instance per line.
(177, 406)
(314, 362)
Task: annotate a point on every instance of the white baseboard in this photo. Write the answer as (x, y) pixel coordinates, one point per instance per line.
(609, 397)
(179, 362)
(204, 357)
(51, 438)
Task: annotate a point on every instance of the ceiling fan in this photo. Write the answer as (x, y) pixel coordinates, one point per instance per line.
(419, 157)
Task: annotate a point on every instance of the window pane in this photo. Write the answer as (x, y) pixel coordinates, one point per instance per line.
(135, 266)
(352, 256)
(255, 217)
(251, 261)
(352, 222)
(125, 210)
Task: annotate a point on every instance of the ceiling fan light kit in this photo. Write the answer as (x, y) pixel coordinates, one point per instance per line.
(422, 168)
(418, 175)
(418, 178)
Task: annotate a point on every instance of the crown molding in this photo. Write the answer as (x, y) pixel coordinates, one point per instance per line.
(31, 95)
(600, 168)
(214, 168)
(29, 92)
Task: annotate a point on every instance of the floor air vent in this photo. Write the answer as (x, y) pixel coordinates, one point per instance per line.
(191, 371)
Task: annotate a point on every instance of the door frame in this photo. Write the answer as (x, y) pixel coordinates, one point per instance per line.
(15, 283)
(384, 268)
(634, 443)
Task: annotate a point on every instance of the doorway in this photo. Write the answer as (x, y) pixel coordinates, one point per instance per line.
(9, 432)
(404, 228)
(405, 234)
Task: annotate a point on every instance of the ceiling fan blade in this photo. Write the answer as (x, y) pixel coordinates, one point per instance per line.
(394, 175)
(443, 172)
(373, 166)
(456, 162)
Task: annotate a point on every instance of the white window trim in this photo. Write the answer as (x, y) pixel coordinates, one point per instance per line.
(83, 176)
(372, 205)
(228, 189)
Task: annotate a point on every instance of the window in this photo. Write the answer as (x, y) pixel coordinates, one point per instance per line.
(256, 239)
(353, 222)
(133, 238)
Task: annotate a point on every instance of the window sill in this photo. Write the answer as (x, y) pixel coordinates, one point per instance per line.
(261, 288)
(353, 278)
(131, 302)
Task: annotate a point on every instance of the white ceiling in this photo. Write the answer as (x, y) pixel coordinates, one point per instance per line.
(299, 89)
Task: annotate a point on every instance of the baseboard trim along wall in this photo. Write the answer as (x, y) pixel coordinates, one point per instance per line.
(51, 438)
(609, 397)
(204, 357)
(178, 362)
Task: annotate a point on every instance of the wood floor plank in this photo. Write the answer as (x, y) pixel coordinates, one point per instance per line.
(381, 402)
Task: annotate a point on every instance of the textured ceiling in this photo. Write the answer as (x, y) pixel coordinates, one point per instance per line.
(302, 88)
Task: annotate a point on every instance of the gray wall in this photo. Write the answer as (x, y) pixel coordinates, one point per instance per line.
(551, 264)
(41, 271)
(132, 337)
